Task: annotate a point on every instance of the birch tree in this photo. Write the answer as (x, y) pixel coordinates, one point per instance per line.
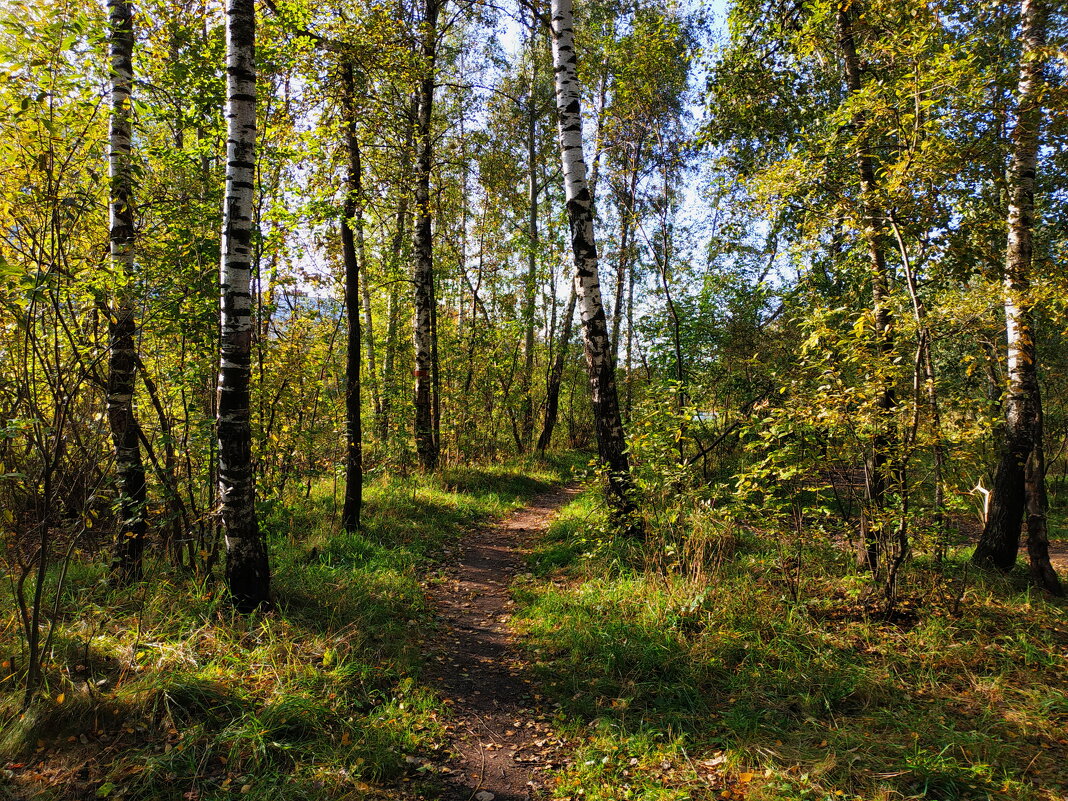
(247, 570)
(122, 323)
(1019, 484)
(611, 440)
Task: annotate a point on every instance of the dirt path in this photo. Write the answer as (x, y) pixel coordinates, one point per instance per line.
(498, 733)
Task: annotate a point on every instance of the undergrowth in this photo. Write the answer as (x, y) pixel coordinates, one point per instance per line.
(716, 663)
(160, 692)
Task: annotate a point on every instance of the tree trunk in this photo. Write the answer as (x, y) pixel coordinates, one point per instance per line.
(122, 326)
(925, 363)
(626, 227)
(530, 285)
(556, 377)
(368, 331)
(426, 443)
(248, 574)
(879, 469)
(1019, 483)
(611, 441)
(352, 214)
(1042, 572)
(389, 383)
(628, 370)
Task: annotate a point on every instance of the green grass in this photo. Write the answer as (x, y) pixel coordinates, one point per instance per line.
(160, 692)
(695, 674)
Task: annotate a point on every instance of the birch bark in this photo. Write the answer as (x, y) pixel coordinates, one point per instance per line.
(1019, 483)
(247, 572)
(122, 325)
(611, 441)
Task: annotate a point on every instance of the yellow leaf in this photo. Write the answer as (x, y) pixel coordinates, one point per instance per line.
(746, 777)
(61, 698)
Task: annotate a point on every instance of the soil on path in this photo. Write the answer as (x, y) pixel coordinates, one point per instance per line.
(499, 737)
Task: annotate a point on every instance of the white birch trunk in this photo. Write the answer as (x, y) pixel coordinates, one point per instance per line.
(247, 571)
(122, 323)
(611, 441)
(1019, 484)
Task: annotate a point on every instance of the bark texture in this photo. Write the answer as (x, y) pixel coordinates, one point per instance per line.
(880, 467)
(611, 441)
(352, 217)
(122, 324)
(1019, 483)
(247, 572)
(426, 442)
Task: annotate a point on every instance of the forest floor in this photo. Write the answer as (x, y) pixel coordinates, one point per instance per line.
(485, 634)
(498, 734)
(161, 693)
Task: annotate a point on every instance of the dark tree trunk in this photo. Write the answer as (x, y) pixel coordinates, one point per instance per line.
(880, 466)
(530, 284)
(556, 377)
(623, 263)
(389, 379)
(426, 443)
(122, 326)
(368, 331)
(352, 215)
(248, 575)
(1042, 572)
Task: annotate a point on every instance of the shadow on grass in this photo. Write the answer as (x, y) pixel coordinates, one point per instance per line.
(951, 708)
(317, 700)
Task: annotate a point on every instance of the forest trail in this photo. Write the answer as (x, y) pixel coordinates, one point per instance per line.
(501, 742)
